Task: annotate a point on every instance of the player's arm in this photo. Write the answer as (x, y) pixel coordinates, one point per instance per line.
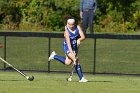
(82, 36)
(66, 35)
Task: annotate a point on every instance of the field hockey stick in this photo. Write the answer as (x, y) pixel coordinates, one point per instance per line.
(71, 73)
(27, 77)
(72, 70)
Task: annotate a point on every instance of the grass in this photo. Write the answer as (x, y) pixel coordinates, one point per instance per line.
(12, 82)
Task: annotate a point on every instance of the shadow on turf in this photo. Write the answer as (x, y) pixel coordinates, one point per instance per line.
(11, 80)
(99, 81)
(95, 81)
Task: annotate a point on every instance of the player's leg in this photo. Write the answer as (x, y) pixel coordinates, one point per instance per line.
(79, 71)
(64, 60)
(77, 67)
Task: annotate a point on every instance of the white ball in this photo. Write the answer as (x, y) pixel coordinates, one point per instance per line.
(69, 79)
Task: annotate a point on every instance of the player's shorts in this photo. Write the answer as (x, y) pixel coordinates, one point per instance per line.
(66, 50)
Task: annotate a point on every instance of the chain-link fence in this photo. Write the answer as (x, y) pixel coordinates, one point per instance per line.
(99, 53)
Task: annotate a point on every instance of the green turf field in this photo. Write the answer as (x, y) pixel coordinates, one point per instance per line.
(12, 82)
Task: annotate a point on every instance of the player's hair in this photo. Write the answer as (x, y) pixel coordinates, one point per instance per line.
(66, 17)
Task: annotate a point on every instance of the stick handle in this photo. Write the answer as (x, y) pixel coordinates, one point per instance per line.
(13, 67)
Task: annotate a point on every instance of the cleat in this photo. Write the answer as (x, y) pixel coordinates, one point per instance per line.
(52, 56)
(83, 80)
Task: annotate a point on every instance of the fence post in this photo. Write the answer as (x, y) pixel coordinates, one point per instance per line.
(4, 52)
(94, 62)
(49, 48)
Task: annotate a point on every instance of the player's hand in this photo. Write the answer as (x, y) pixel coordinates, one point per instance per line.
(73, 53)
(78, 43)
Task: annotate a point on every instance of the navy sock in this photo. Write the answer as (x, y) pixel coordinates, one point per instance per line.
(79, 71)
(60, 58)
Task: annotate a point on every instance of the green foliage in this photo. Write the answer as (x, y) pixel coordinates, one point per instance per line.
(55, 20)
(34, 15)
(121, 13)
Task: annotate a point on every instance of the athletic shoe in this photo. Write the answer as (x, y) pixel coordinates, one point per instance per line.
(52, 56)
(83, 80)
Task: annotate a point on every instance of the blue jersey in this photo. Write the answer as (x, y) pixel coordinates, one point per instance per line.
(74, 35)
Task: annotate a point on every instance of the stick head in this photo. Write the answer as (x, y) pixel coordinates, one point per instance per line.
(31, 78)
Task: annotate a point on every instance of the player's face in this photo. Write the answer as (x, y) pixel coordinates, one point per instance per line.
(71, 25)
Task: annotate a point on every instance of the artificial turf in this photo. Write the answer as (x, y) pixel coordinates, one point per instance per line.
(12, 82)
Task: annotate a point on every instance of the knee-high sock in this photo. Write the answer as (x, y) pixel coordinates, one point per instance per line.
(60, 58)
(79, 71)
